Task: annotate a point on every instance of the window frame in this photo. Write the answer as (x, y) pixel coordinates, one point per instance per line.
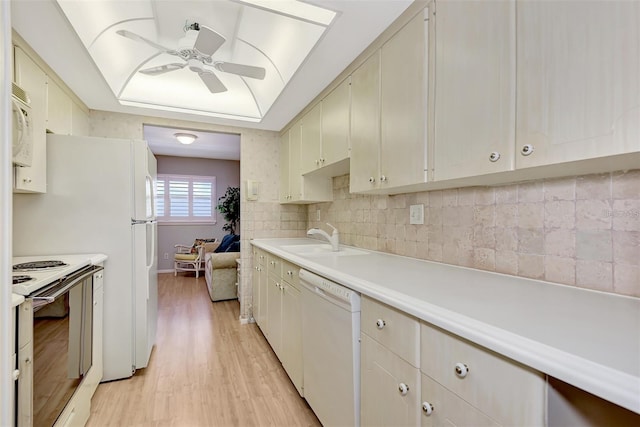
(166, 198)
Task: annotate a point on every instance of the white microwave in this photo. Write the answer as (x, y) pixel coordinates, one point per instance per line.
(22, 132)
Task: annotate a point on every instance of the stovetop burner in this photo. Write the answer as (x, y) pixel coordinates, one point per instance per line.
(21, 279)
(39, 265)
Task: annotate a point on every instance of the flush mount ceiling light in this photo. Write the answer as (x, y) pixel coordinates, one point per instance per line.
(219, 58)
(185, 138)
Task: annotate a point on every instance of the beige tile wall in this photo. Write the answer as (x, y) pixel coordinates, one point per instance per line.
(582, 231)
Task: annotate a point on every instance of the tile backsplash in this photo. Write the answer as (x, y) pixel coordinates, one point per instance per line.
(581, 231)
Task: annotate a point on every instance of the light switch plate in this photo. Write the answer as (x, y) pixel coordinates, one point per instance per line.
(416, 214)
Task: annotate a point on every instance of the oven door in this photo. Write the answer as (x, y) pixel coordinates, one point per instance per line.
(62, 343)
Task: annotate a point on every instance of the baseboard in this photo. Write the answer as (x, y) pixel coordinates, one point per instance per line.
(245, 321)
(165, 271)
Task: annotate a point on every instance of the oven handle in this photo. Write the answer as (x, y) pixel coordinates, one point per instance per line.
(63, 286)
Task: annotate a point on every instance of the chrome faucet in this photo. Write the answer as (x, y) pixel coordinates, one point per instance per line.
(334, 239)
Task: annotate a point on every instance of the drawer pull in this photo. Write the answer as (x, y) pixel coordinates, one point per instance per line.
(427, 408)
(403, 389)
(526, 149)
(380, 323)
(462, 370)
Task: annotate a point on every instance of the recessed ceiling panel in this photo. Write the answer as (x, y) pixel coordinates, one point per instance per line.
(145, 51)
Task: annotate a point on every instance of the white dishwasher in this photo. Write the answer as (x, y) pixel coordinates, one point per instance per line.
(331, 350)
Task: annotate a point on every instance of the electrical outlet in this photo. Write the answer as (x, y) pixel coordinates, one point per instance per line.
(317, 214)
(416, 214)
(166, 255)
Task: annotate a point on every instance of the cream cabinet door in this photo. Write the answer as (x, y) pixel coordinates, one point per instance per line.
(262, 319)
(403, 107)
(58, 109)
(311, 140)
(335, 123)
(390, 387)
(285, 193)
(440, 407)
(295, 177)
(79, 121)
(475, 88)
(578, 80)
(33, 80)
(365, 125)
(274, 314)
(292, 334)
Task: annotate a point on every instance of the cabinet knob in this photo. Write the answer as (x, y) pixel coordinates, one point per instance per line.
(383, 178)
(427, 408)
(461, 370)
(95, 303)
(26, 180)
(16, 374)
(317, 162)
(403, 389)
(372, 179)
(321, 160)
(380, 323)
(494, 157)
(526, 149)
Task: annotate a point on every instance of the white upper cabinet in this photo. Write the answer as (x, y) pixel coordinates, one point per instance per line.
(365, 125)
(403, 105)
(79, 121)
(285, 193)
(33, 80)
(389, 112)
(474, 88)
(335, 123)
(578, 80)
(311, 140)
(295, 188)
(59, 107)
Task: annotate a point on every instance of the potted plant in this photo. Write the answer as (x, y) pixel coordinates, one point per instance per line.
(229, 207)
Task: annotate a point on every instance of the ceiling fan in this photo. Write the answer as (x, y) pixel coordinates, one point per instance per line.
(196, 48)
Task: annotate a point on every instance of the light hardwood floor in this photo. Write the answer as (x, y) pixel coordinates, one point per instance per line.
(206, 370)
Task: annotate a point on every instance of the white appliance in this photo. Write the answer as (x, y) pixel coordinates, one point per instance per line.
(100, 199)
(22, 130)
(331, 350)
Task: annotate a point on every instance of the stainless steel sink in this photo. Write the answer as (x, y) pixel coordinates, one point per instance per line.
(322, 250)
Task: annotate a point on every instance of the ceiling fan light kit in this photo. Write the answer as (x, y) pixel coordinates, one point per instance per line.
(185, 138)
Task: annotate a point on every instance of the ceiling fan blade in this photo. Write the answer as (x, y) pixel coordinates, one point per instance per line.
(241, 70)
(212, 82)
(134, 36)
(208, 41)
(154, 71)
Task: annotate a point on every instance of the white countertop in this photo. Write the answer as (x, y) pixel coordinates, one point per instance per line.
(586, 338)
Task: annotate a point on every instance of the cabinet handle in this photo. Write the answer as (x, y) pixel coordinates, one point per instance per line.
(26, 180)
(403, 389)
(427, 408)
(494, 157)
(461, 370)
(317, 162)
(16, 374)
(380, 323)
(372, 179)
(321, 160)
(383, 178)
(526, 149)
(95, 303)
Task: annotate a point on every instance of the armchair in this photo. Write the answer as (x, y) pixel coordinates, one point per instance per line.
(190, 258)
(221, 272)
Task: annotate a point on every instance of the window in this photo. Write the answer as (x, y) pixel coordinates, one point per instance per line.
(185, 198)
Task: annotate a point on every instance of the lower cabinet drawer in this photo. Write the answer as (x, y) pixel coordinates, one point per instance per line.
(440, 407)
(392, 328)
(508, 392)
(390, 387)
(291, 273)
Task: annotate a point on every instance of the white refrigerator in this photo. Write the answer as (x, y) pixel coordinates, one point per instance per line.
(100, 199)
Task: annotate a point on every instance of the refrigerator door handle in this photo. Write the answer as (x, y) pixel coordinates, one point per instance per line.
(153, 253)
